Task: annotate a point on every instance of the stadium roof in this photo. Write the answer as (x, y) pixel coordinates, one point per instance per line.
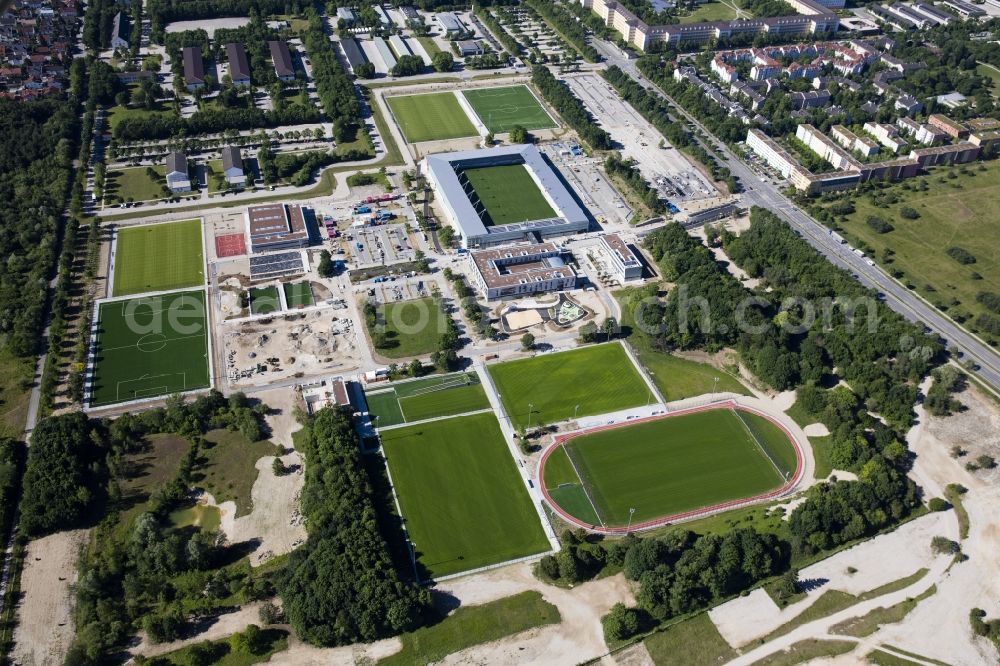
(442, 169)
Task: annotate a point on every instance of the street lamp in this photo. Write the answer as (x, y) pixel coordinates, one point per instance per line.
(530, 407)
(715, 386)
(575, 410)
(630, 512)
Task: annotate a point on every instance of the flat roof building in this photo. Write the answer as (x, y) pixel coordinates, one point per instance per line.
(469, 47)
(282, 59)
(239, 68)
(385, 53)
(442, 171)
(623, 261)
(194, 68)
(347, 15)
(516, 270)
(276, 227)
(352, 51)
(450, 23)
(952, 128)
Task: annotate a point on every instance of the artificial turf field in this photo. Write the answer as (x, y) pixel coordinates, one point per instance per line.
(500, 109)
(298, 294)
(600, 379)
(431, 117)
(462, 500)
(669, 466)
(426, 398)
(150, 346)
(159, 257)
(264, 300)
(509, 194)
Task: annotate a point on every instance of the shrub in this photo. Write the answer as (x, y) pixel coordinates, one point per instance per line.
(878, 224)
(961, 255)
(909, 213)
(938, 504)
(620, 623)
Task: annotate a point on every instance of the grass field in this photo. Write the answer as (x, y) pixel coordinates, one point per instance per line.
(600, 379)
(134, 184)
(500, 109)
(474, 625)
(712, 11)
(426, 398)
(565, 489)
(298, 294)
(150, 346)
(412, 328)
(264, 300)
(675, 377)
(672, 465)
(227, 468)
(509, 194)
(692, 642)
(958, 211)
(462, 499)
(991, 72)
(159, 257)
(431, 117)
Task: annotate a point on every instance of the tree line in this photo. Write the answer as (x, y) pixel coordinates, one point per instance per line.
(341, 586)
(333, 84)
(627, 171)
(162, 12)
(570, 108)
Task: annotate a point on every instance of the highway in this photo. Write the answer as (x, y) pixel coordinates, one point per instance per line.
(759, 192)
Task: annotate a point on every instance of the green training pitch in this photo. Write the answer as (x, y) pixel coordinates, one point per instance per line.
(298, 294)
(411, 328)
(427, 398)
(500, 109)
(463, 502)
(264, 300)
(675, 464)
(159, 257)
(150, 346)
(431, 117)
(600, 379)
(509, 194)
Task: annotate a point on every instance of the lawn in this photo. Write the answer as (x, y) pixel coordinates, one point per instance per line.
(264, 300)
(509, 194)
(134, 184)
(712, 11)
(671, 465)
(675, 377)
(597, 379)
(220, 653)
(500, 109)
(692, 642)
(463, 502)
(147, 471)
(474, 625)
(16, 375)
(227, 467)
(298, 294)
(411, 328)
(150, 346)
(983, 69)
(429, 45)
(431, 117)
(427, 398)
(958, 212)
(118, 113)
(158, 257)
(565, 489)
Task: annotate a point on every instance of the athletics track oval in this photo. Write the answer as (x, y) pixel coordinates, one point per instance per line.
(684, 515)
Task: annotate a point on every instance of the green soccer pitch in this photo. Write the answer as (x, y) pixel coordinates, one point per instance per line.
(668, 466)
(431, 117)
(599, 379)
(298, 294)
(500, 109)
(159, 257)
(463, 502)
(509, 194)
(427, 398)
(150, 346)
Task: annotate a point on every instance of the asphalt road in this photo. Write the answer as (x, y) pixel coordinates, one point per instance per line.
(764, 193)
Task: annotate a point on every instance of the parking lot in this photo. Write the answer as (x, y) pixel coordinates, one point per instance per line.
(585, 176)
(381, 245)
(664, 168)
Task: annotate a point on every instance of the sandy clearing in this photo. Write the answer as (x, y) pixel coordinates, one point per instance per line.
(635, 655)
(878, 561)
(843, 475)
(816, 430)
(225, 625)
(940, 629)
(45, 624)
(784, 400)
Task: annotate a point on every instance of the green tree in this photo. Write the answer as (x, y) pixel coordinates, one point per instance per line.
(518, 134)
(527, 341)
(443, 61)
(325, 267)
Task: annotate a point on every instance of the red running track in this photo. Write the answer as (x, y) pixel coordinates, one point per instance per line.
(686, 515)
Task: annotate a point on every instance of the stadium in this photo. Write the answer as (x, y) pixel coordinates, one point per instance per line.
(646, 473)
(503, 195)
